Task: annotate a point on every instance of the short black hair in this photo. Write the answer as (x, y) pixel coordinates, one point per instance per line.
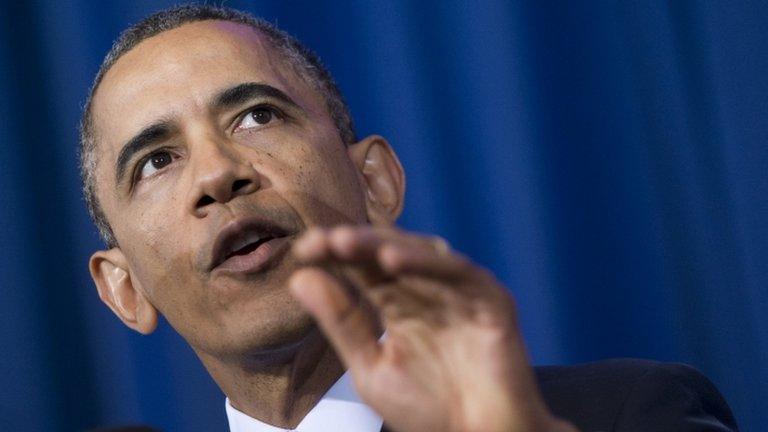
(304, 62)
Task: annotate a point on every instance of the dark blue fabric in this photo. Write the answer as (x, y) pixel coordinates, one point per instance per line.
(608, 160)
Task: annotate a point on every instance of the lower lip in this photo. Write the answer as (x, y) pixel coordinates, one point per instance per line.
(258, 260)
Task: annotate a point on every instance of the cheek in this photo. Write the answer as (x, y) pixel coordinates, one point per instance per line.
(159, 265)
(161, 239)
(159, 250)
(323, 185)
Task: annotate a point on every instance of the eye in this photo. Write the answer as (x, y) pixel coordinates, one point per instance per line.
(257, 117)
(155, 162)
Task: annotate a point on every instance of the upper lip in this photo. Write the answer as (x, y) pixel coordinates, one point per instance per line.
(239, 233)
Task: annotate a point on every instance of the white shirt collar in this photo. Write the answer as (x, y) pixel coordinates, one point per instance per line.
(339, 410)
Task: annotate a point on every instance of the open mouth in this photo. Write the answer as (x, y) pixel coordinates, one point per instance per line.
(248, 246)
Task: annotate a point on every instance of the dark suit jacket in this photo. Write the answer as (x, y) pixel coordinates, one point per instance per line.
(628, 396)
(634, 396)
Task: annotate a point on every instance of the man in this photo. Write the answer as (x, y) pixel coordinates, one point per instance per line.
(221, 167)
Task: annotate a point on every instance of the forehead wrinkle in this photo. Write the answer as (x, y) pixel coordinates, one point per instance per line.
(250, 50)
(183, 65)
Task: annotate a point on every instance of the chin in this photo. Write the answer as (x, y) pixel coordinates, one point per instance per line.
(277, 332)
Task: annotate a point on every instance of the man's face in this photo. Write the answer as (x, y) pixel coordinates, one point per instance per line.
(213, 155)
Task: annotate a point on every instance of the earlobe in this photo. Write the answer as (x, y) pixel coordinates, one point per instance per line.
(383, 178)
(111, 274)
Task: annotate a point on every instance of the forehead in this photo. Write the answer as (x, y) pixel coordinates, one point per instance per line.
(176, 72)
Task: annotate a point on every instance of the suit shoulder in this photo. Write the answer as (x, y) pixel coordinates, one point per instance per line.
(604, 370)
(678, 397)
(590, 395)
(621, 394)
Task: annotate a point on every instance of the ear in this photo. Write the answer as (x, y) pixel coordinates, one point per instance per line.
(111, 273)
(382, 176)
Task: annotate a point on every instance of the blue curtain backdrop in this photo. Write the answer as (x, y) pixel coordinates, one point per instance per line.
(608, 160)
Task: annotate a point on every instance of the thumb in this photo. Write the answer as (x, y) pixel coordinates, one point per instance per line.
(346, 323)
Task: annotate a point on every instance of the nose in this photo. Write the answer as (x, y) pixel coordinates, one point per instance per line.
(220, 174)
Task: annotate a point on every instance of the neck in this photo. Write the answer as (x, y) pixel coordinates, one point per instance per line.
(282, 386)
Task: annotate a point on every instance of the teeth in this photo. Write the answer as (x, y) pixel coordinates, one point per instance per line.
(244, 241)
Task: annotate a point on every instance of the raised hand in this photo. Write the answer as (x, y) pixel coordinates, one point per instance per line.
(452, 358)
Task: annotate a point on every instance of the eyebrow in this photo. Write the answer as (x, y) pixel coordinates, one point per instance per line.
(148, 137)
(226, 99)
(245, 92)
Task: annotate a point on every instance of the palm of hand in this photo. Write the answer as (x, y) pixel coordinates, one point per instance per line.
(452, 358)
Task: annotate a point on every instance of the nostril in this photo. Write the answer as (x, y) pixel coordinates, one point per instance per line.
(239, 184)
(204, 201)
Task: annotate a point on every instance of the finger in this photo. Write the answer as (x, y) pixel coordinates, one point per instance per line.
(362, 248)
(313, 246)
(348, 242)
(349, 327)
(351, 247)
(397, 260)
(450, 280)
(363, 243)
(352, 243)
(357, 244)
